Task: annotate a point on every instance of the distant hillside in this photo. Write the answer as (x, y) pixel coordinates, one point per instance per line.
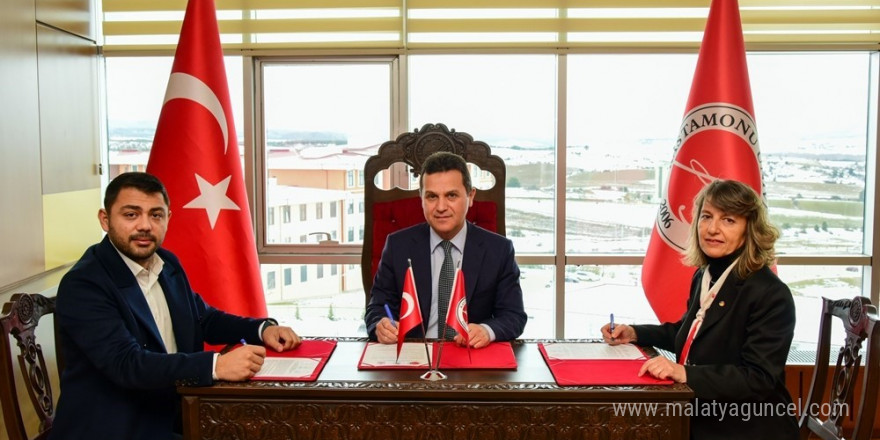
(145, 134)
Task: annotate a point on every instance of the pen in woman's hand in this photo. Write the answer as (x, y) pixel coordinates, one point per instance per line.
(611, 327)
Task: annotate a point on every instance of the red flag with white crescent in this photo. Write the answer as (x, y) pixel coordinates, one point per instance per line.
(410, 313)
(456, 314)
(717, 140)
(195, 154)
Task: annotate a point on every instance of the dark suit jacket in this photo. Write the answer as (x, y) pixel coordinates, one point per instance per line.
(491, 276)
(737, 358)
(118, 381)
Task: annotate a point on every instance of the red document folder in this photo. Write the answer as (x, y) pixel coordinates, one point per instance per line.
(497, 356)
(314, 349)
(598, 371)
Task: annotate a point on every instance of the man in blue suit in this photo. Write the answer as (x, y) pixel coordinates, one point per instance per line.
(130, 327)
(494, 297)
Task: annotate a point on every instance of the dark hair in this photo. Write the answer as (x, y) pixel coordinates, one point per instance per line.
(143, 182)
(442, 161)
(736, 198)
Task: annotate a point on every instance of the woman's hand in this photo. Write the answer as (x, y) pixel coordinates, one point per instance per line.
(663, 368)
(622, 334)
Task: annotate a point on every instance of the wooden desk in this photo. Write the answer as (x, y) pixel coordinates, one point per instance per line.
(345, 403)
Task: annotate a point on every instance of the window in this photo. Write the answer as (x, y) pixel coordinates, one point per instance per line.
(303, 211)
(320, 271)
(521, 129)
(611, 120)
(287, 276)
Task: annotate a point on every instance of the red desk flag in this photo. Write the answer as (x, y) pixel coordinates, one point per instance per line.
(456, 315)
(195, 153)
(410, 313)
(717, 140)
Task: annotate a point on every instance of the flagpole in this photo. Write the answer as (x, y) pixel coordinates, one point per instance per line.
(424, 332)
(432, 374)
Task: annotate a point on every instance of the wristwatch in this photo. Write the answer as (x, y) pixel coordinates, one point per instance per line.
(269, 322)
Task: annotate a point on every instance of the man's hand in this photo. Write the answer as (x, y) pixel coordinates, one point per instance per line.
(478, 337)
(240, 364)
(280, 338)
(663, 368)
(386, 333)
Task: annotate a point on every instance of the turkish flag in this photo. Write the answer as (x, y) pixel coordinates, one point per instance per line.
(410, 313)
(195, 153)
(456, 314)
(717, 140)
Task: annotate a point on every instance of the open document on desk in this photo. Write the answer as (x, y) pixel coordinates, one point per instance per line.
(596, 363)
(413, 356)
(302, 364)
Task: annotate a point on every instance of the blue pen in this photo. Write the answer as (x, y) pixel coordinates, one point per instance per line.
(611, 327)
(390, 316)
(243, 342)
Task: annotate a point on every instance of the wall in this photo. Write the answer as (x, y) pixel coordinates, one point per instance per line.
(50, 139)
(49, 148)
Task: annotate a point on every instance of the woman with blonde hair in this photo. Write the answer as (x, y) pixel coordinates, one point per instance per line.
(732, 343)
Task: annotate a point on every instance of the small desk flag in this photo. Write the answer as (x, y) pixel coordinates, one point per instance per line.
(456, 315)
(410, 313)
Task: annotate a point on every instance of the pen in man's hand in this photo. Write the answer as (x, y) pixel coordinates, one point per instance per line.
(390, 316)
(611, 327)
(243, 342)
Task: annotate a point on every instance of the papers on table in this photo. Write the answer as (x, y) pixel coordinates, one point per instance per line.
(586, 364)
(302, 364)
(593, 351)
(289, 368)
(412, 354)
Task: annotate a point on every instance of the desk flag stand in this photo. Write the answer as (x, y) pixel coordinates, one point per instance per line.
(434, 374)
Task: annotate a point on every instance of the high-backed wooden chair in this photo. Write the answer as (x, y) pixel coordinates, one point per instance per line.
(395, 204)
(19, 320)
(859, 320)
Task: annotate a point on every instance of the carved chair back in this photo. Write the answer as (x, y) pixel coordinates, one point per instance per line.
(19, 320)
(859, 320)
(395, 203)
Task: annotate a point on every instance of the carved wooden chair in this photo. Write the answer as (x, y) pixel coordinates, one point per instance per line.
(859, 320)
(395, 203)
(19, 320)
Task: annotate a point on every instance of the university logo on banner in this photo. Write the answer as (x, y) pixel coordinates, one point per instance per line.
(717, 139)
(456, 315)
(195, 154)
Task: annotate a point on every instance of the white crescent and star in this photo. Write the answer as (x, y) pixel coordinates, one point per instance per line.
(212, 196)
(186, 86)
(408, 308)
